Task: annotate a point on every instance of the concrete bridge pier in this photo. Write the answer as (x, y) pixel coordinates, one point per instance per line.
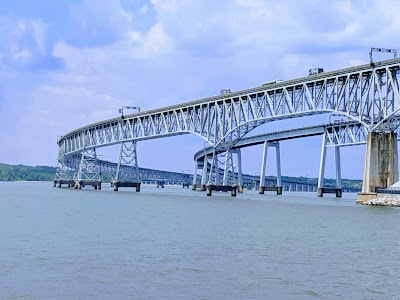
(239, 166)
(381, 164)
(321, 189)
(263, 186)
(204, 174)
(194, 183)
(203, 166)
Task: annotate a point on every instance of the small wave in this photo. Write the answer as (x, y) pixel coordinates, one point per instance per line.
(312, 293)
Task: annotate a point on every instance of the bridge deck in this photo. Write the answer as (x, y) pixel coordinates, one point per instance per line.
(225, 119)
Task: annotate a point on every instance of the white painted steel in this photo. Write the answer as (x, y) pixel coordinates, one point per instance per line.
(263, 164)
(239, 165)
(322, 163)
(368, 94)
(278, 165)
(128, 158)
(338, 169)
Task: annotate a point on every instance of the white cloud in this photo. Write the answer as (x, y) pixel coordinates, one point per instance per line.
(144, 9)
(23, 44)
(97, 23)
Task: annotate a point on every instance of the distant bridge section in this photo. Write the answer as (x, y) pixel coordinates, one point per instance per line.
(338, 134)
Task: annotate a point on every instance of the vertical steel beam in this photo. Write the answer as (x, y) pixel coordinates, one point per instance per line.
(338, 170)
(216, 168)
(210, 176)
(226, 167)
(320, 191)
(196, 165)
(128, 158)
(263, 164)
(239, 165)
(204, 174)
(278, 169)
(89, 170)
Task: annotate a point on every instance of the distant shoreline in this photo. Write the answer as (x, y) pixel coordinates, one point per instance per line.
(22, 173)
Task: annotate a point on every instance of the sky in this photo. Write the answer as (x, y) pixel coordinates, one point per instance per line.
(69, 63)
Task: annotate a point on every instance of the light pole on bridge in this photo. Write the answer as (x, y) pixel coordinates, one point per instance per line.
(382, 50)
(121, 110)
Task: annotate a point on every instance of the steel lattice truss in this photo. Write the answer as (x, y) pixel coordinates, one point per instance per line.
(128, 158)
(349, 134)
(89, 167)
(368, 94)
(67, 170)
(346, 134)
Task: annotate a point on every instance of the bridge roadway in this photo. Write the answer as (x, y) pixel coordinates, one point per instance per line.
(151, 175)
(367, 94)
(281, 135)
(339, 134)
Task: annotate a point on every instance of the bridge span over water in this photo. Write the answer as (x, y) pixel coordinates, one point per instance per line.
(367, 94)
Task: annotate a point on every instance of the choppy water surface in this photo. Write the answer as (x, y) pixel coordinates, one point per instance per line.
(175, 243)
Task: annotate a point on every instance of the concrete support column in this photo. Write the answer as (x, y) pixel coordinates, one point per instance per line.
(278, 170)
(196, 165)
(338, 169)
(381, 162)
(322, 168)
(239, 165)
(263, 164)
(204, 174)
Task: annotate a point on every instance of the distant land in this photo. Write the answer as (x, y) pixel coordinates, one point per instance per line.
(26, 173)
(46, 173)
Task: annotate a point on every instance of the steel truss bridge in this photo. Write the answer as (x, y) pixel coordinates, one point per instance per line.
(367, 94)
(108, 169)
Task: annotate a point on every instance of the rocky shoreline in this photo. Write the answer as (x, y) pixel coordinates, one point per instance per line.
(383, 201)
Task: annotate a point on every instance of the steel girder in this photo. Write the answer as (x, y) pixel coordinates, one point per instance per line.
(368, 94)
(89, 166)
(223, 168)
(69, 167)
(128, 158)
(346, 135)
(339, 134)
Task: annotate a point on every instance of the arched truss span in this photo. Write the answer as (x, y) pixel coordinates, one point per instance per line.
(368, 94)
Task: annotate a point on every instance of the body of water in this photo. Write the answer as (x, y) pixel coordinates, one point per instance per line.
(175, 243)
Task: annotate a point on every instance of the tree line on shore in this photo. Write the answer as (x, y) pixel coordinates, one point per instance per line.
(46, 173)
(26, 173)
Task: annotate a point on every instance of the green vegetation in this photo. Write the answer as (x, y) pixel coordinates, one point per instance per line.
(28, 173)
